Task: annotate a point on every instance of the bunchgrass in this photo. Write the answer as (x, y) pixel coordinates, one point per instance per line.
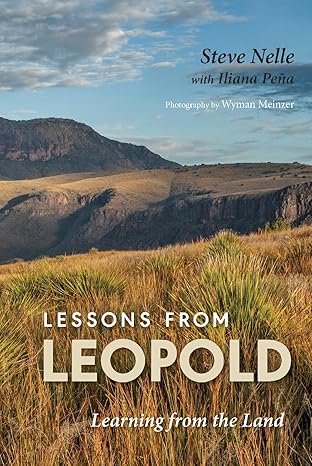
(264, 283)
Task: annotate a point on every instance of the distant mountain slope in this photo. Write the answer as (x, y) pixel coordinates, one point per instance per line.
(150, 208)
(53, 146)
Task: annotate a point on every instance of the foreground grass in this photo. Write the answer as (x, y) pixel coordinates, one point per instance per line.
(263, 281)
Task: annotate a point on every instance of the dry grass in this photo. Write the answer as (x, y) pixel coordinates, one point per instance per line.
(263, 281)
(144, 186)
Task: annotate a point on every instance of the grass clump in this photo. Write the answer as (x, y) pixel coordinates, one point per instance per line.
(278, 225)
(84, 284)
(226, 241)
(262, 281)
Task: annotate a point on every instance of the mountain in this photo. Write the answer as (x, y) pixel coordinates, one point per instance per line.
(53, 146)
(147, 208)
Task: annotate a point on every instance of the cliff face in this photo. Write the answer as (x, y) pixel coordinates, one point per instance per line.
(189, 219)
(43, 147)
(29, 224)
(57, 222)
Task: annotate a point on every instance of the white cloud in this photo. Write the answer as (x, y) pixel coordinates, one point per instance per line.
(165, 64)
(48, 43)
(290, 129)
(191, 150)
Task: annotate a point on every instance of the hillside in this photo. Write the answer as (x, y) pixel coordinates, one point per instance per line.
(52, 146)
(147, 208)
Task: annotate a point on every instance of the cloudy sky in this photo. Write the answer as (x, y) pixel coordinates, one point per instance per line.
(113, 65)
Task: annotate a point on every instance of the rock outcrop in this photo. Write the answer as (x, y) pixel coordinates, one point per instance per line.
(189, 219)
(57, 222)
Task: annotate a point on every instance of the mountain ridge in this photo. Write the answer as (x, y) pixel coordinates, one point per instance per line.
(64, 188)
(52, 146)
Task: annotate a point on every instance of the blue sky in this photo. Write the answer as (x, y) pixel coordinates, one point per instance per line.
(114, 64)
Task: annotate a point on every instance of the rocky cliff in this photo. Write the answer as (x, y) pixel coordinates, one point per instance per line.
(57, 222)
(186, 220)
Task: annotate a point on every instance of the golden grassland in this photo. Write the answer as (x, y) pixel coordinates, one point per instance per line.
(150, 186)
(263, 281)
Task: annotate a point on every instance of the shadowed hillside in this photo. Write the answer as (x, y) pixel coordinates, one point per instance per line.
(147, 208)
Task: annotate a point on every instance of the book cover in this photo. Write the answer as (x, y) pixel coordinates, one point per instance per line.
(155, 233)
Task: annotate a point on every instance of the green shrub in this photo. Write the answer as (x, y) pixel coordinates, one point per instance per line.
(93, 250)
(279, 225)
(225, 241)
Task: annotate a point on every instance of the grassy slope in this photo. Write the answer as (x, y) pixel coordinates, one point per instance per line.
(263, 280)
(150, 186)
